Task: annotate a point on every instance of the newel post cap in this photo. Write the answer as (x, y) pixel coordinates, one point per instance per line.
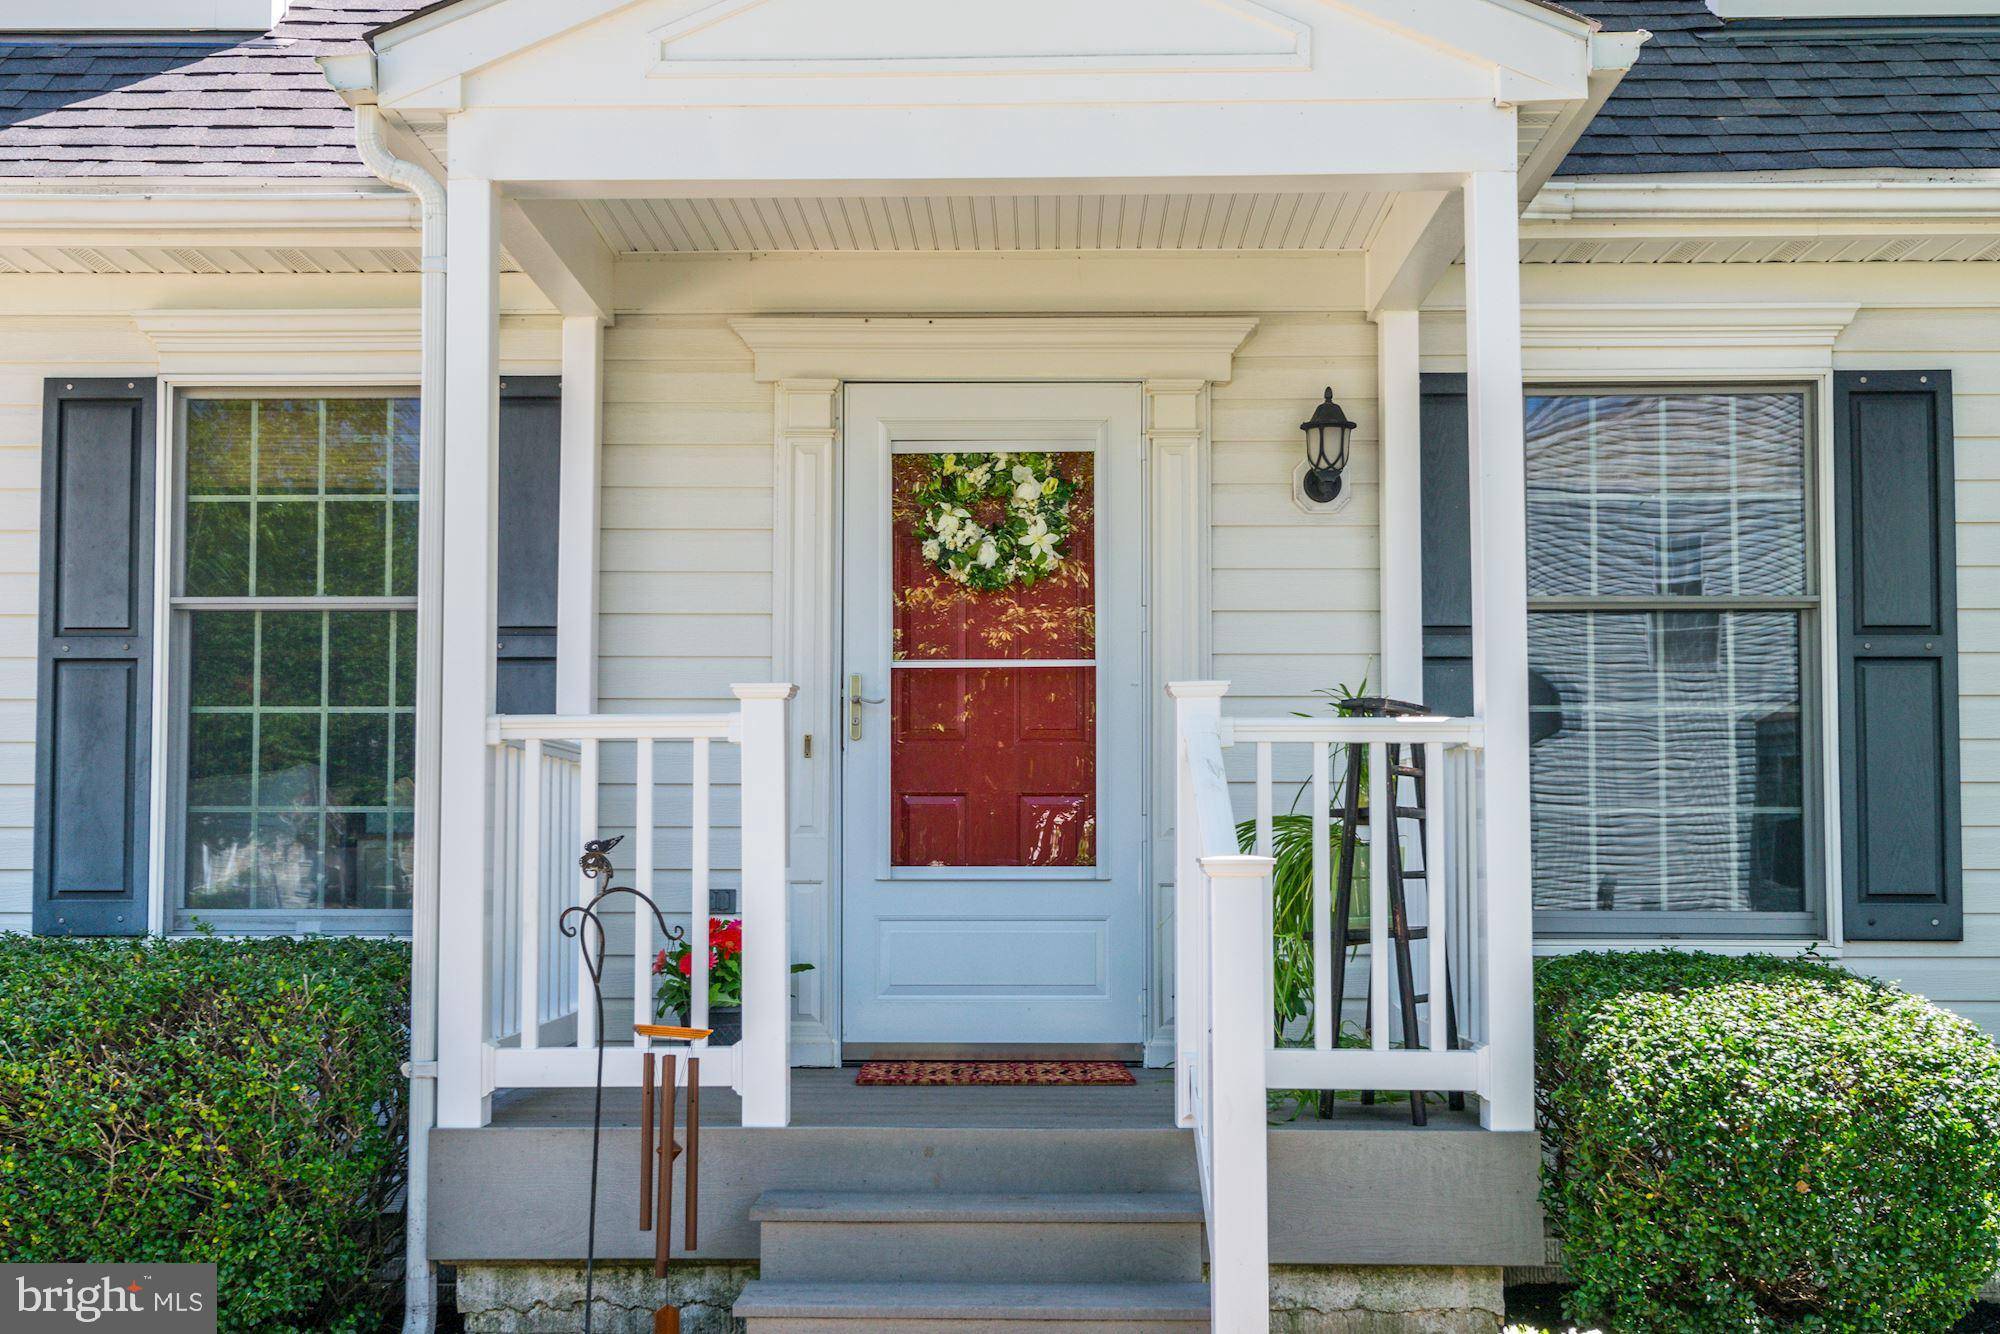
(764, 690)
(1197, 689)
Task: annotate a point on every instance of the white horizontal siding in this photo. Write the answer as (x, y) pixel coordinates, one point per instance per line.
(685, 586)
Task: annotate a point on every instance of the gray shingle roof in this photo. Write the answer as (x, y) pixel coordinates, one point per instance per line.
(1793, 95)
(1705, 97)
(208, 107)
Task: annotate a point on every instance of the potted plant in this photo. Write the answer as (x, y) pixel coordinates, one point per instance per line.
(675, 967)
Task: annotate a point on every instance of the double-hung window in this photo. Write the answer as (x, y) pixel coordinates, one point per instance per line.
(294, 602)
(1672, 621)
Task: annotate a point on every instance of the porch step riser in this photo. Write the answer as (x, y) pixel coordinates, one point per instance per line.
(983, 1252)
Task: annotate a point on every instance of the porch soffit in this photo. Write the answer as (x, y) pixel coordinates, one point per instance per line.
(1186, 348)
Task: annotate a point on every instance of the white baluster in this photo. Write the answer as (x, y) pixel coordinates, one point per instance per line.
(1269, 901)
(532, 863)
(1381, 838)
(698, 899)
(1434, 910)
(1326, 1005)
(642, 915)
(586, 890)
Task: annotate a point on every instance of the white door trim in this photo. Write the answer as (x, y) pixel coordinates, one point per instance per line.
(1177, 359)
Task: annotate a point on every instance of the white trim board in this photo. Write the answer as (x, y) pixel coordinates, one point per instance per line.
(219, 342)
(1030, 347)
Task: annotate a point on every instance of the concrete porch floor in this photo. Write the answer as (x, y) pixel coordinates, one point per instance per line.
(831, 1098)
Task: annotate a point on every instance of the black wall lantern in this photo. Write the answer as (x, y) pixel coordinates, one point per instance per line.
(1326, 456)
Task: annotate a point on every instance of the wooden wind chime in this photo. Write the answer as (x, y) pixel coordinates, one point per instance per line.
(657, 1153)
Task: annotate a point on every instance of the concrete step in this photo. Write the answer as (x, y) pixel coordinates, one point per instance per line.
(772, 1307)
(943, 1237)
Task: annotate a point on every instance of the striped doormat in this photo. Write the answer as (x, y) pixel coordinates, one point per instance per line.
(974, 1073)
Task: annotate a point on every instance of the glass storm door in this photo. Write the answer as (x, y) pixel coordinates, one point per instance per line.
(992, 774)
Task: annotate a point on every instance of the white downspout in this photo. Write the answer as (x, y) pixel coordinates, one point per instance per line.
(420, 1281)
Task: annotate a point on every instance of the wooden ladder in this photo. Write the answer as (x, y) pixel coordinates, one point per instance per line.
(1406, 765)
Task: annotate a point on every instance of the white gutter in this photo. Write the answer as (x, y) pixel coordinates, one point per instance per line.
(420, 1280)
(1859, 198)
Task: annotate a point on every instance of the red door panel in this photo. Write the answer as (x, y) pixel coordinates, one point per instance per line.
(993, 766)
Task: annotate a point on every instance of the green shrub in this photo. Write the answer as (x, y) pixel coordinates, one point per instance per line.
(234, 1102)
(1761, 1143)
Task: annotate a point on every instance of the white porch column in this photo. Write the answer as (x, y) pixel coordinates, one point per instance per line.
(577, 544)
(1400, 525)
(1500, 636)
(471, 495)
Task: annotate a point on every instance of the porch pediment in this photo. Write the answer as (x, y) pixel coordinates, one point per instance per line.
(668, 52)
(1233, 88)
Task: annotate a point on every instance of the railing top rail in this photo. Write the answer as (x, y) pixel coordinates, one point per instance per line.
(612, 727)
(1450, 731)
(1215, 819)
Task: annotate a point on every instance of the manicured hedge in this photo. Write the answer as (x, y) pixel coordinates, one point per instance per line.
(1761, 1143)
(207, 1100)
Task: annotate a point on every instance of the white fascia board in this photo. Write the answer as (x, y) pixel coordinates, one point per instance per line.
(1425, 234)
(1542, 54)
(439, 49)
(142, 15)
(149, 214)
(611, 151)
(1854, 9)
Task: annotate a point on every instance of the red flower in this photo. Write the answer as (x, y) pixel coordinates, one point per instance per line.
(727, 935)
(687, 964)
(660, 962)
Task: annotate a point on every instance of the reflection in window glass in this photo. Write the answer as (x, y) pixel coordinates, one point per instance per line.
(1669, 744)
(301, 726)
(300, 498)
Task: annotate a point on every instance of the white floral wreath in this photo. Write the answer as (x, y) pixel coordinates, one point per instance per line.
(1024, 544)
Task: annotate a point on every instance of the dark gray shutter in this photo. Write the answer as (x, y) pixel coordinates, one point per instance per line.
(530, 516)
(1897, 605)
(1447, 520)
(94, 684)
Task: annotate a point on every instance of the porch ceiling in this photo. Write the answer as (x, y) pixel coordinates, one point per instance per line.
(1292, 220)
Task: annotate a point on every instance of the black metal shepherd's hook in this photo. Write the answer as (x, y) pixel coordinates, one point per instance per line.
(596, 863)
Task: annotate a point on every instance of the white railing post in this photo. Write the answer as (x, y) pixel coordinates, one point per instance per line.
(1194, 701)
(1500, 638)
(1239, 1245)
(767, 945)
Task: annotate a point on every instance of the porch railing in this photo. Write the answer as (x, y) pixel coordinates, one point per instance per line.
(549, 778)
(1229, 1056)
